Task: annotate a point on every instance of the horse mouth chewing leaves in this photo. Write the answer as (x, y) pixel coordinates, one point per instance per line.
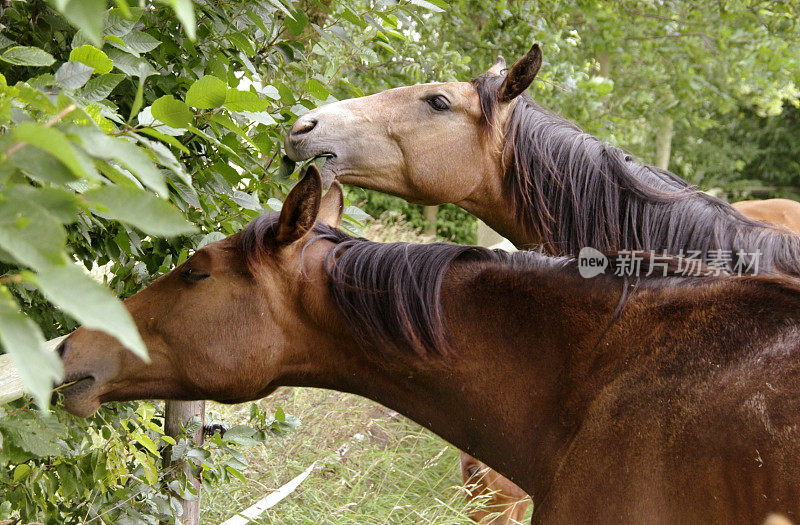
(75, 390)
(326, 168)
(74, 386)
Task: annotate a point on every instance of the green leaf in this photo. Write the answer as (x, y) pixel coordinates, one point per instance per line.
(316, 89)
(138, 208)
(241, 434)
(144, 440)
(118, 22)
(279, 5)
(41, 166)
(165, 157)
(236, 100)
(172, 112)
(172, 141)
(145, 118)
(296, 23)
(287, 97)
(21, 472)
(60, 203)
(137, 100)
(5, 42)
(226, 122)
(116, 42)
(140, 42)
(73, 75)
(261, 117)
(427, 5)
(36, 436)
(131, 65)
(207, 93)
(34, 97)
(90, 303)
(92, 57)
(217, 67)
(236, 472)
(135, 159)
(100, 87)
(27, 56)
(184, 10)
(23, 341)
(55, 143)
(88, 16)
(242, 43)
(28, 232)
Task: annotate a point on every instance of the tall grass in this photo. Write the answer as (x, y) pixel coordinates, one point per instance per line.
(374, 466)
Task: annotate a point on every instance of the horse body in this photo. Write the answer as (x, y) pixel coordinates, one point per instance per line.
(784, 213)
(684, 409)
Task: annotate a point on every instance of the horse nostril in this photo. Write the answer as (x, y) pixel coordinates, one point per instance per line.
(303, 125)
(62, 349)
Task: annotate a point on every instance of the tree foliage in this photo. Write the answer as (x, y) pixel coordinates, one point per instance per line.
(130, 135)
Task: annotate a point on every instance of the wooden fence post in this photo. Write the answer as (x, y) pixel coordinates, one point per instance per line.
(430, 213)
(176, 414)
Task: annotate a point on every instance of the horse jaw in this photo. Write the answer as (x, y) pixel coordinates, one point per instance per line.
(80, 398)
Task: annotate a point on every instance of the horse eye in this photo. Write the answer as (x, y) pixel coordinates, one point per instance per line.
(473, 470)
(194, 276)
(438, 102)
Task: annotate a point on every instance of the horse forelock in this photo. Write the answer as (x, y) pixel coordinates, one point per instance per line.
(572, 190)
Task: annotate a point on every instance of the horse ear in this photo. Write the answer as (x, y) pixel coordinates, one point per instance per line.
(332, 206)
(498, 67)
(521, 74)
(300, 209)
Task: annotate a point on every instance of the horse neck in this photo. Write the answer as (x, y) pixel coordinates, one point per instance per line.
(492, 204)
(499, 393)
(636, 208)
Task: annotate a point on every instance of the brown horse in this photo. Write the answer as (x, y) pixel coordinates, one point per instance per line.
(507, 503)
(780, 212)
(682, 407)
(501, 500)
(531, 175)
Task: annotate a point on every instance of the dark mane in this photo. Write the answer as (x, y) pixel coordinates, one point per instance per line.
(389, 294)
(573, 190)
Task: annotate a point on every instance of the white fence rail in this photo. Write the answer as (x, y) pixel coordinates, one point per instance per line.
(11, 387)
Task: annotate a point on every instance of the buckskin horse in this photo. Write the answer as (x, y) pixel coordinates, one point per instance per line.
(681, 407)
(780, 212)
(533, 176)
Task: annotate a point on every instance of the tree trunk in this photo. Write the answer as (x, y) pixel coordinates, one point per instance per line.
(663, 146)
(179, 413)
(604, 63)
(430, 214)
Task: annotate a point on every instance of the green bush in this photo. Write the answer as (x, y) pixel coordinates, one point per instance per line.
(453, 224)
(130, 136)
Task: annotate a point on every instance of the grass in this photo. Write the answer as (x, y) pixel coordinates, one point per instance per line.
(374, 466)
